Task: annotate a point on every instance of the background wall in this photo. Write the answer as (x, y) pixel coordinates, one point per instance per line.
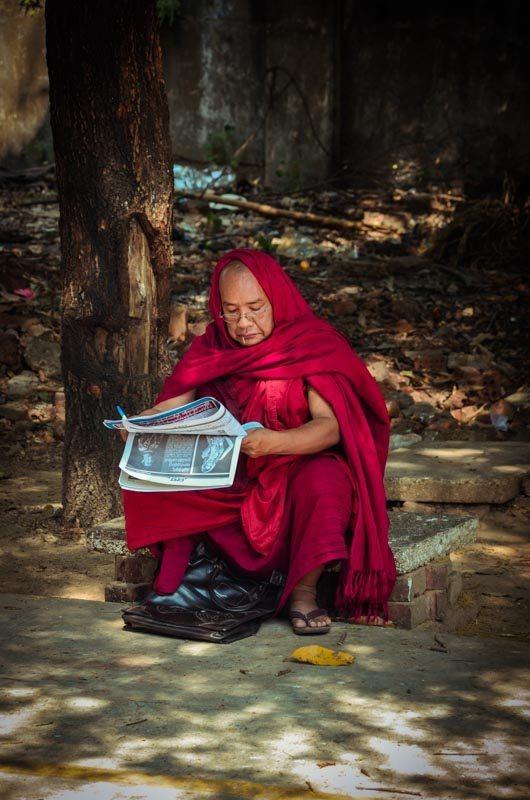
(372, 92)
(444, 88)
(25, 136)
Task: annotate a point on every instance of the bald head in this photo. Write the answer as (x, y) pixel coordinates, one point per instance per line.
(250, 317)
(234, 268)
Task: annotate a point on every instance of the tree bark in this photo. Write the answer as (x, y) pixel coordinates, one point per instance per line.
(110, 127)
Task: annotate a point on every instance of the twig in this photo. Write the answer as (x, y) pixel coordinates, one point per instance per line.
(384, 789)
(271, 211)
(477, 413)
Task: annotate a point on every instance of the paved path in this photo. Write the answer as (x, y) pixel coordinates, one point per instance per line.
(90, 710)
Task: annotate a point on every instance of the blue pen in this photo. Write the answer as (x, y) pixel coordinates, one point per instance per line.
(121, 412)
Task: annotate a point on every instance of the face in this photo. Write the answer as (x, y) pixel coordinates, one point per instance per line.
(242, 294)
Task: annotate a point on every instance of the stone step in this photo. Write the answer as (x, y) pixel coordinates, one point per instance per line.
(415, 539)
(421, 543)
(458, 472)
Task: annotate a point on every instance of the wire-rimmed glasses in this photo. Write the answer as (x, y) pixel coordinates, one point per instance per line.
(235, 316)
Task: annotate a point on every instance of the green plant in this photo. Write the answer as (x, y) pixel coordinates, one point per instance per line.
(167, 10)
(264, 242)
(221, 145)
(290, 175)
(30, 7)
(213, 223)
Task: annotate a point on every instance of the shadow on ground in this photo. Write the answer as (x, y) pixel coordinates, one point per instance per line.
(80, 690)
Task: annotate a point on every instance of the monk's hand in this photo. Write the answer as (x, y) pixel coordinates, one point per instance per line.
(260, 442)
(124, 434)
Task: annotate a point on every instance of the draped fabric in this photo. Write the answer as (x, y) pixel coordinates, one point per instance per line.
(317, 516)
(267, 382)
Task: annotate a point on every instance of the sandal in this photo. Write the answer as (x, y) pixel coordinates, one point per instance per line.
(309, 630)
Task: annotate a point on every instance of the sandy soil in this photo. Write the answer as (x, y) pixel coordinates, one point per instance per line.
(41, 555)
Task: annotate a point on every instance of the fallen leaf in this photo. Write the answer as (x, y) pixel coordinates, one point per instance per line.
(29, 294)
(321, 656)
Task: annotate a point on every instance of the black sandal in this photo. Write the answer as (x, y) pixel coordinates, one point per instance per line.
(309, 630)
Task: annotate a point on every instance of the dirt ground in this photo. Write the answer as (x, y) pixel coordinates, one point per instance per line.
(41, 556)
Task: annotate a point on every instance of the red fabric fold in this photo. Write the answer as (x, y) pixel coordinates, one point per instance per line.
(265, 382)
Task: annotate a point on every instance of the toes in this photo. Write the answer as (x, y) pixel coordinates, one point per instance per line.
(378, 621)
(320, 622)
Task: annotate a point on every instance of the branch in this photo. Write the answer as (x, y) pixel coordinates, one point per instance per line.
(272, 212)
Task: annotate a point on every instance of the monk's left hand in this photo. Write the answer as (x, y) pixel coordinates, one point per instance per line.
(259, 442)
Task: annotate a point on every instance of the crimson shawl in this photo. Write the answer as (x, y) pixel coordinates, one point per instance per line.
(301, 346)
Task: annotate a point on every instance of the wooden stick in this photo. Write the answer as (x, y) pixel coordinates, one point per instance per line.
(273, 212)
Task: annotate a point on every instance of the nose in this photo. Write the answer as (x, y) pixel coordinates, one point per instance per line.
(244, 323)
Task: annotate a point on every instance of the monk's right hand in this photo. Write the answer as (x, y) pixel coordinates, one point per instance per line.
(164, 405)
(123, 433)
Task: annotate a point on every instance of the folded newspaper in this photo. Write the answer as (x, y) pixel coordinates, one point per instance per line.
(195, 446)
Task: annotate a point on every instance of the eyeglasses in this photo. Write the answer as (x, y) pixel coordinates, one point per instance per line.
(235, 316)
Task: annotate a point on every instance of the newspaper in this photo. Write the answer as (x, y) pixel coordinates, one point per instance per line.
(195, 446)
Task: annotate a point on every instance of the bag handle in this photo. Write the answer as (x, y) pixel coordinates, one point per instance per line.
(257, 594)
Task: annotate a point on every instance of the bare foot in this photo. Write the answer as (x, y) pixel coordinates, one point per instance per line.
(377, 621)
(303, 599)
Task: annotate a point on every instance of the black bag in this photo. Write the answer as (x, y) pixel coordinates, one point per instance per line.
(212, 603)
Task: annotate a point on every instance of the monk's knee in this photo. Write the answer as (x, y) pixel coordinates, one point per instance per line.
(322, 479)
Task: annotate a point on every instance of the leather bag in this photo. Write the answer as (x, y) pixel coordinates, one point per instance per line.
(212, 604)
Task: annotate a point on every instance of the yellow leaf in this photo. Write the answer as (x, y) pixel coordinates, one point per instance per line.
(321, 656)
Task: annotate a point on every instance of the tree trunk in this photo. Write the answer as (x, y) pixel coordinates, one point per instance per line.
(110, 127)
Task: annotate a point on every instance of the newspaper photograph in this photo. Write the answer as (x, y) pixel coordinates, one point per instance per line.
(183, 461)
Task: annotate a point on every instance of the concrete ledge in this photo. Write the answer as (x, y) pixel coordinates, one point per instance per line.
(415, 539)
(109, 537)
(458, 472)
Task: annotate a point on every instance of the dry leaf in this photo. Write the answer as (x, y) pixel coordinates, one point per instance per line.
(321, 656)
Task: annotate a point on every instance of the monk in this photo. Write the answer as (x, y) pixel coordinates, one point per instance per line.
(309, 485)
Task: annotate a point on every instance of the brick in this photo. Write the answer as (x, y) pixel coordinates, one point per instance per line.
(135, 569)
(437, 603)
(437, 573)
(454, 589)
(409, 585)
(408, 615)
(121, 592)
